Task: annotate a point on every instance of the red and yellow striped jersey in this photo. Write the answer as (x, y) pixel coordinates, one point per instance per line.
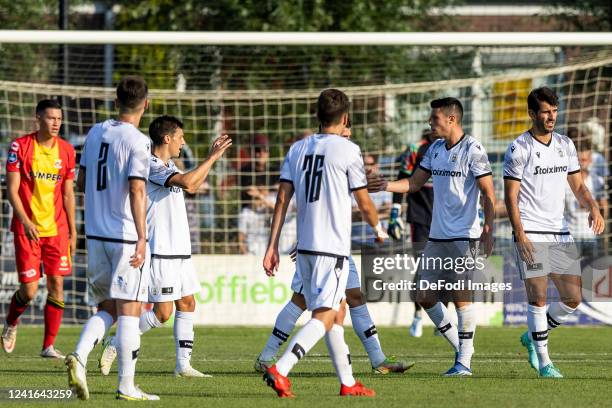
(43, 171)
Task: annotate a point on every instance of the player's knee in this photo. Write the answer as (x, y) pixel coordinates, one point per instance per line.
(28, 293)
(573, 303)
(186, 304)
(354, 298)
(539, 302)
(163, 315)
(298, 300)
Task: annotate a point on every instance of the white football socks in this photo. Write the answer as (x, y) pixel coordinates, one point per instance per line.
(302, 342)
(148, 321)
(467, 328)
(538, 330)
(558, 313)
(340, 355)
(285, 322)
(128, 346)
(183, 337)
(93, 332)
(366, 331)
(440, 316)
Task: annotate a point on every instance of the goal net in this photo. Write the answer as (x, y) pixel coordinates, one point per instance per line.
(265, 99)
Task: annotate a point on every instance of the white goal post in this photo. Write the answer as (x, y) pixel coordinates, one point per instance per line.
(305, 38)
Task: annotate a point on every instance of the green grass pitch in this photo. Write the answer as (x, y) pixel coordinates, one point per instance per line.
(502, 376)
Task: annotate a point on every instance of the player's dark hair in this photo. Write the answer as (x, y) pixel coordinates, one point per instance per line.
(331, 105)
(45, 104)
(542, 94)
(449, 106)
(132, 90)
(163, 126)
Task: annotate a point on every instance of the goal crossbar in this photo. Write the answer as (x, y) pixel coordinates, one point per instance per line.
(305, 38)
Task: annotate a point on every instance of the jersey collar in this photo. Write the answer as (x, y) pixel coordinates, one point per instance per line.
(542, 143)
(456, 143)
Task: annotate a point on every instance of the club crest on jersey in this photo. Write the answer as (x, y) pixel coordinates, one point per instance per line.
(58, 164)
(538, 154)
(15, 146)
(12, 157)
(454, 158)
(560, 152)
(512, 148)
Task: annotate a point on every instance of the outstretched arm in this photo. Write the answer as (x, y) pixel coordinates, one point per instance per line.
(192, 180)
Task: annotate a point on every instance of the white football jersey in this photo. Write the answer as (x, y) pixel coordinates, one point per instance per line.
(113, 153)
(542, 170)
(324, 170)
(167, 222)
(454, 172)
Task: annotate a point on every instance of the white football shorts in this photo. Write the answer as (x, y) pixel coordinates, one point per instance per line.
(109, 274)
(172, 279)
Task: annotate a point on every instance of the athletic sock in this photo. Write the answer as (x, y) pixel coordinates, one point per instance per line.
(93, 332)
(557, 314)
(148, 321)
(340, 355)
(302, 342)
(538, 330)
(128, 346)
(54, 310)
(285, 322)
(16, 309)
(440, 316)
(366, 331)
(183, 338)
(467, 328)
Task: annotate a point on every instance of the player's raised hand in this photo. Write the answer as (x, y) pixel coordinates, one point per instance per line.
(138, 258)
(30, 230)
(376, 182)
(596, 221)
(271, 261)
(219, 146)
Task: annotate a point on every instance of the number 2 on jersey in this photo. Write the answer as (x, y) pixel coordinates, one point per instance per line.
(313, 165)
(102, 176)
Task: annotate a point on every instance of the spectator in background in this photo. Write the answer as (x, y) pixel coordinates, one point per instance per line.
(361, 232)
(576, 215)
(595, 133)
(256, 181)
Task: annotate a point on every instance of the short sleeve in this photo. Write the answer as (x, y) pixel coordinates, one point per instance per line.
(159, 173)
(356, 170)
(514, 162)
(14, 157)
(572, 155)
(285, 174)
(70, 162)
(425, 163)
(138, 163)
(479, 161)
